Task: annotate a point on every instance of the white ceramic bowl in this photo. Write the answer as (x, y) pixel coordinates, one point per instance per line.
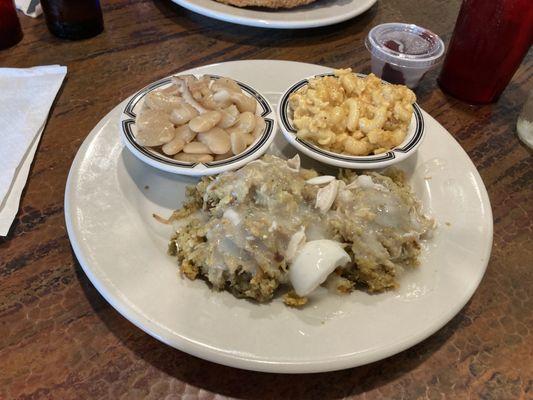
(413, 139)
(165, 163)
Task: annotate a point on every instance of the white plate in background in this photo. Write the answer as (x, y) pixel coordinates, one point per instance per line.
(109, 201)
(319, 13)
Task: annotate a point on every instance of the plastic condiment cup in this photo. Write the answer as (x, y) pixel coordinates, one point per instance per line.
(403, 53)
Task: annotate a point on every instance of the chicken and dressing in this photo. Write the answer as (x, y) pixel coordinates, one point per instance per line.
(273, 224)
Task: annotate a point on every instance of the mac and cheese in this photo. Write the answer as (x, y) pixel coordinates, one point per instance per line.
(353, 115)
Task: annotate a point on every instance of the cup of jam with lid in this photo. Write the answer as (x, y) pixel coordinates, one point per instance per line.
(403, 53)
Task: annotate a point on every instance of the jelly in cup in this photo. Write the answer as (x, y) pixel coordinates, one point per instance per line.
(403, 53)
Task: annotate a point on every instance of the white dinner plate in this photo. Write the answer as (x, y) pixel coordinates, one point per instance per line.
(319, 13)
(109, 201)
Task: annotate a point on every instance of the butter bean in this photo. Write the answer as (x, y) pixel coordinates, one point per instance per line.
(185, 157)
(173, 147)
(216, 140)
(195, 148)
(205, 121)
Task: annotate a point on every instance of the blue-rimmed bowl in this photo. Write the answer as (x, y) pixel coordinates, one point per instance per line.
(166, 163)
(413, 139)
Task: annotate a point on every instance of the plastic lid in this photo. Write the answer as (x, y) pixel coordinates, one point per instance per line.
(405, 45)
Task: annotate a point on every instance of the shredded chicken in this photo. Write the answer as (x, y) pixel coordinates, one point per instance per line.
(243, 230)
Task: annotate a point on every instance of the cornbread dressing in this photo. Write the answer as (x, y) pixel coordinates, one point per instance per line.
(243, 230)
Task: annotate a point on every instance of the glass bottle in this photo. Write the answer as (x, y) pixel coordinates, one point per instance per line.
(73, 19)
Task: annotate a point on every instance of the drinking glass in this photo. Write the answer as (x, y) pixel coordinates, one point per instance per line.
(524, 124)
(10, 31)
(490, 39)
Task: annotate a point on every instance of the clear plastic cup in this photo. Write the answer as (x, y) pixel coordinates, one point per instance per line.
(403, 53)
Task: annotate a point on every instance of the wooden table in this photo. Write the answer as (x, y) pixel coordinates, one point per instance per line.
(59, 338)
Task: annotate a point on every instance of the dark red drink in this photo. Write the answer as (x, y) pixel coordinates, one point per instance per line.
(490, 39)
(10, 32)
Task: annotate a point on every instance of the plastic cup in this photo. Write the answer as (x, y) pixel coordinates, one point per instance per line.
(403, 53)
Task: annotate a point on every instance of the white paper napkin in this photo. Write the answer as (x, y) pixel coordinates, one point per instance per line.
(31, 8)
(26, 96)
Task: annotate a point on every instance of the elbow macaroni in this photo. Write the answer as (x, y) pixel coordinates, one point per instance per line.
(352, 115)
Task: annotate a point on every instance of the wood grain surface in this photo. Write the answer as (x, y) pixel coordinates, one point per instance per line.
(59, 339)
